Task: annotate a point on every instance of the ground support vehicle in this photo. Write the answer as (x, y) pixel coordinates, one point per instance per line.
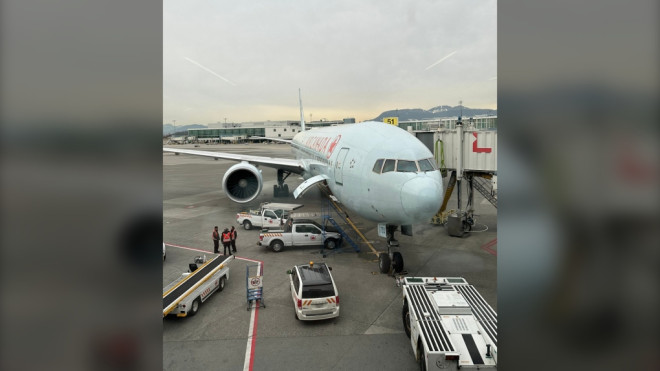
(449, 324)
(300, 232)
(269, 215)
(314, 293)
(184, 296)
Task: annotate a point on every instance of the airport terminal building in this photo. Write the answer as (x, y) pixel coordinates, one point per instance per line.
(241, 132)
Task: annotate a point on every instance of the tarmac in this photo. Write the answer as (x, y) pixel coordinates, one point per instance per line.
(368, 334)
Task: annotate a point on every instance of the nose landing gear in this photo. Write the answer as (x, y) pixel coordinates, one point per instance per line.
(390, 261)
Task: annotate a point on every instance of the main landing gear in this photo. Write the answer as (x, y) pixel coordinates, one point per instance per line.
(281, 189)
(390, 261)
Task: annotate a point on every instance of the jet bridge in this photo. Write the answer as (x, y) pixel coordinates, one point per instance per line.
(468, 154)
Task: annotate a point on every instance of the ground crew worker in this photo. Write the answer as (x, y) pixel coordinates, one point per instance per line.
(226, 241)
(233, 235)
(216, 240)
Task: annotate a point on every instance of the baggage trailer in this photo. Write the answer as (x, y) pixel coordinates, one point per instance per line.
(449, 324)
(184, 296)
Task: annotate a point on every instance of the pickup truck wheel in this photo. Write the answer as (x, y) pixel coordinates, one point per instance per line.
(194, 307)
(406, 318)
(397, 261)
(247, 225)
(384, 263)
(330, 243)
(276, 245)
(221, 285)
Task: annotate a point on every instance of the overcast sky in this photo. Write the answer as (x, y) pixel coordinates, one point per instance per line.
(244, 61)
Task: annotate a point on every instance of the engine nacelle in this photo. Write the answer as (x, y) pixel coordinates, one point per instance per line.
(242, 182)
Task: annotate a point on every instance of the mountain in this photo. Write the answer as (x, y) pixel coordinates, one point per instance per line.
(180, 129)
(408, 114)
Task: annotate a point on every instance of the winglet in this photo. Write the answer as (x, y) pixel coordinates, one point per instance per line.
(302, 115)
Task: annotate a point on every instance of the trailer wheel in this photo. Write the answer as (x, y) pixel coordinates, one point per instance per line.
(330, 243)
(397, 261)
(247, 225)
(406, 318)
(194, 307)
(421, 359)
(221, 285)
(276, 245)
(384, 263)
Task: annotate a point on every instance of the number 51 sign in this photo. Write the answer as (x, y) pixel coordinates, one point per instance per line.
(391, 120)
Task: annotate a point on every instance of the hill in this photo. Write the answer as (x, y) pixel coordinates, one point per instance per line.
(407, 114)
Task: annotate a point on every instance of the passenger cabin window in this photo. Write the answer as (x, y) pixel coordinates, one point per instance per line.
(406, 166)
(426, 165)
(378, 165)
(389, 165)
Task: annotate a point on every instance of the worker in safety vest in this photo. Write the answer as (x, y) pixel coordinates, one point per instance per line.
(233, 236)
(216, 240)
(226, 241)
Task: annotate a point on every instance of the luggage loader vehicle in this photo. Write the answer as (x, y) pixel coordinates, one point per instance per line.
(184, 296)
(449, 324)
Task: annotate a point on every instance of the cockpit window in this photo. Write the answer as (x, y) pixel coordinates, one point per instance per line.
(406, 166)
(426, 165)
(378, 165)
(389, 165)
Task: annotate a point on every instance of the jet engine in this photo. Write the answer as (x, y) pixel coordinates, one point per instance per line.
(242, 182)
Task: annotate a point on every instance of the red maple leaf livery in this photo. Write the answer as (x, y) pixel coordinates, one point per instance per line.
(332, 146)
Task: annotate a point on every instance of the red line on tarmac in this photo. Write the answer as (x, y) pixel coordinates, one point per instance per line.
(253, 335)
(488, 245)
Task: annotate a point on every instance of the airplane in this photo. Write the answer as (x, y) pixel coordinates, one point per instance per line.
(376, 170)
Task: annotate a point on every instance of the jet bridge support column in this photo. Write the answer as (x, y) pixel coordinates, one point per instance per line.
(455, 221)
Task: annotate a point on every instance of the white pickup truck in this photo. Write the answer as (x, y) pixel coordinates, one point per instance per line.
(269, 215)
(301, 232)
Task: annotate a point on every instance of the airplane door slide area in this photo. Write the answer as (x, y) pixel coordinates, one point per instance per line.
(339, 167)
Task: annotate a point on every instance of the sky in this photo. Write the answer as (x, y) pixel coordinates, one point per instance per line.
(245, 61)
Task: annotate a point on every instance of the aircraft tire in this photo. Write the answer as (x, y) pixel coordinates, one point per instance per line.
(397, 261)
(285, 190)
(384, 263)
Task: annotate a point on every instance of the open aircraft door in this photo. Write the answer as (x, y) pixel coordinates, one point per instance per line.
(339, 166)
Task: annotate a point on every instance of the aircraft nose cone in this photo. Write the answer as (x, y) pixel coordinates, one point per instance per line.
(421, 198)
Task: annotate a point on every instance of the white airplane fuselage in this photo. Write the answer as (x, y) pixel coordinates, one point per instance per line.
(346, 154)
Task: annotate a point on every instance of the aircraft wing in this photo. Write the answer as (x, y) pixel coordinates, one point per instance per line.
(294, 166)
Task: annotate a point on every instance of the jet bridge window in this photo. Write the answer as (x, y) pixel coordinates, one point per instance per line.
(389, 165)
(378, 165)
(406, 166)
(426, 165)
